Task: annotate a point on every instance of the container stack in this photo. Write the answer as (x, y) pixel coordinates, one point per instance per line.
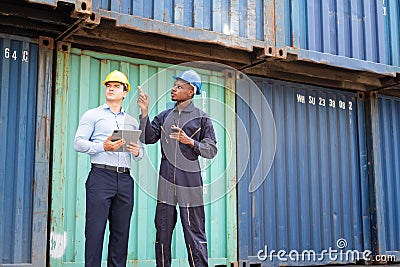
(304, 97)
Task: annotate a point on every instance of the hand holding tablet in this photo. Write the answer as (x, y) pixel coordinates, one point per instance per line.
(130, 136)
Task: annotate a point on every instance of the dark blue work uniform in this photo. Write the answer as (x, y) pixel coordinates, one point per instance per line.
(180, 180)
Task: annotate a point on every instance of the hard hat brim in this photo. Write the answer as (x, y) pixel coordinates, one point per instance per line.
(128, 86)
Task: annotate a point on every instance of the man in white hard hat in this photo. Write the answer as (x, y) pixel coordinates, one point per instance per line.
(185, 133)
(109, 186)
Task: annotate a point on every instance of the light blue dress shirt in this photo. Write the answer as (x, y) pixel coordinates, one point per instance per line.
(95, 126)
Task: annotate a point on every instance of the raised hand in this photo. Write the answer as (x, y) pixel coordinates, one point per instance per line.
(143, 102)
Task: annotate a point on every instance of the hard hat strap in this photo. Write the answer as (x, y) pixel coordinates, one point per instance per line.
(194, 88)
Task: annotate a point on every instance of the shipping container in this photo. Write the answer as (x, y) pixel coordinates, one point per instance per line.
(238, 24)
(79, 88)
(385, 130)
(314, 197)
(25, 109)
(353, 34)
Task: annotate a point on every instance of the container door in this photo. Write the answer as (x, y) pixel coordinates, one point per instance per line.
(24, 149)
(387, 178)
(79, 88)
(312, 198)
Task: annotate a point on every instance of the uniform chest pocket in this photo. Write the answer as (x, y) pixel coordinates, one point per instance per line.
(193, 129)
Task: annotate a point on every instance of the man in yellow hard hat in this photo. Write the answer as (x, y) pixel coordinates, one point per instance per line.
(109, 186)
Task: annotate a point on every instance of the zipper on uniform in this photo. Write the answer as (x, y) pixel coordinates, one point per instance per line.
(176, 149)
(188, 215)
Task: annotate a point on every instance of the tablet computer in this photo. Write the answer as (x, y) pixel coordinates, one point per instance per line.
(130, 136)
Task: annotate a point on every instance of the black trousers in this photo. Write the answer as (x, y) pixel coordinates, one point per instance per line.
(109, 195)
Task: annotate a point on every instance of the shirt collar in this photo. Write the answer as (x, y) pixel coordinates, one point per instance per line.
(189, 107)
(105, 106)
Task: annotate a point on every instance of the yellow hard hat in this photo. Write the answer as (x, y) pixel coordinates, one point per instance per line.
(117, 76)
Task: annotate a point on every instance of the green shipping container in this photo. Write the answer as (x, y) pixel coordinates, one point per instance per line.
(78, 88)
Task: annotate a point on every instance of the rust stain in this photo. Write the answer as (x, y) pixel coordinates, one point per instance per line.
(38, 136)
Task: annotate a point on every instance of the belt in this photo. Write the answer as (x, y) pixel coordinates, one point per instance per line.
(111, 168)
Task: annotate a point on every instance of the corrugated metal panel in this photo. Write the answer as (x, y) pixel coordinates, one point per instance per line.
(236, 18)
(391, 11)
(364, 34)
(24, 149)
(387, 177)
(315, 192)
(79, 88)
(237, 24)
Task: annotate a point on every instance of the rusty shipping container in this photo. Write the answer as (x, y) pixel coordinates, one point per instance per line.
(78, 88)
(352, 34)
(25, 109)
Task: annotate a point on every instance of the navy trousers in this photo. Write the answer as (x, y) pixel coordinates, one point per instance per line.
(109, 195)
(193, 223)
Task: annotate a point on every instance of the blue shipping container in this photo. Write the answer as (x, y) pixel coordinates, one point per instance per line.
(387, 176)
(362, 35)
(355, 34)
(237, 24)
(314, 197)
(25, 73)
